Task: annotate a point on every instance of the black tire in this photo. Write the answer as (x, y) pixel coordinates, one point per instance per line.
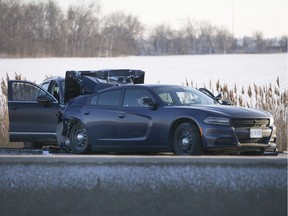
(187, 140)
(78, 139)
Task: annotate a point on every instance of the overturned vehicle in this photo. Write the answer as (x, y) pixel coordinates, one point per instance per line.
(33, 109)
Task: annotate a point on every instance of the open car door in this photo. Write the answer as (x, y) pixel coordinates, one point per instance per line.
(32, 113)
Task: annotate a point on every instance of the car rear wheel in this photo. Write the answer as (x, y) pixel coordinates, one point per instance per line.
(78, 139)
(187, 140)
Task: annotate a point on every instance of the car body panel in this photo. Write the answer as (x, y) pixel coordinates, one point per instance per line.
(117, 126)
(27, 113)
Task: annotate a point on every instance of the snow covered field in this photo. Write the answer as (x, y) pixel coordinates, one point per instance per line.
(243, 70)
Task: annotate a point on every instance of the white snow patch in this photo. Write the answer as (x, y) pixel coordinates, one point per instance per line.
(240, 69)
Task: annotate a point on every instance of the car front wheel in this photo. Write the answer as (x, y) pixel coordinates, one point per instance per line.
(78, 139)
(187, 140)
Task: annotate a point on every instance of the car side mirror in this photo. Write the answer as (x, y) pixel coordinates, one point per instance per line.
(218, 97)
(44, 99)
(150, 103)
(209, 93)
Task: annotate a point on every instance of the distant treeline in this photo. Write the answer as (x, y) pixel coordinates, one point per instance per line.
(43, 29)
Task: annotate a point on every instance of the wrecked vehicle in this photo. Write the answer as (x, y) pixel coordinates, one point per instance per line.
(32, 108)
(102, 111)
(162, 118)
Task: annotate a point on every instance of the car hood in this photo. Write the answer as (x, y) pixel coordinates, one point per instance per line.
(239, 112)
(87, 82)
(230, 111)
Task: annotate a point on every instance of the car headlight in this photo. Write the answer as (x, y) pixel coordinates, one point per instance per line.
(271, 121)
(217, 120)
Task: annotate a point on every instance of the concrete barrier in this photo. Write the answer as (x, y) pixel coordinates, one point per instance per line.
(142, 185)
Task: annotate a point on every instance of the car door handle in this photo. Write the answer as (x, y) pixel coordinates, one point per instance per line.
(121, 115)
(87, 112)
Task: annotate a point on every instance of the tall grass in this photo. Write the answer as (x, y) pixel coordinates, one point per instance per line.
(268, 97)
(4, 119)
(4, 116)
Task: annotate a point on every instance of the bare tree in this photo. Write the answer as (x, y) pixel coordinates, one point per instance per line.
(162, 39)
(259, 40)
(53, 23)
(121, 34)
(10, 22)
(190, 32)
(206, 38)
(283, 43)
(82, 26)
(223, 41)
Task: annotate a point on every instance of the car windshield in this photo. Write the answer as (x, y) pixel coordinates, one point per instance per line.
(182, 96)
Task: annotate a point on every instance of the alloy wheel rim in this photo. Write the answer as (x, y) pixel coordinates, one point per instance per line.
(80, 138)
(185, 141)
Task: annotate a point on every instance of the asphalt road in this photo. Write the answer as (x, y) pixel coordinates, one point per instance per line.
(37, 182)
(55, 152)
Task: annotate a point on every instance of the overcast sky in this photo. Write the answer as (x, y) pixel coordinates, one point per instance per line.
(241, 17)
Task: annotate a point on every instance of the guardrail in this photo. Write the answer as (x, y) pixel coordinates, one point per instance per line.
(142, 185)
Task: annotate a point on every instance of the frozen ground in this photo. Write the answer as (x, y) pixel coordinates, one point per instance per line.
(239, 69)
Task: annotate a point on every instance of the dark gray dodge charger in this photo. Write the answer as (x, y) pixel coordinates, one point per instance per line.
(163, 118)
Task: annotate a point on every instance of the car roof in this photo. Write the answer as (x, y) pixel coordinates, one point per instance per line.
(59, 78)
(143, 86)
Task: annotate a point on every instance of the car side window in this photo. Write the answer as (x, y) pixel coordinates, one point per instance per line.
(54, 90)
(93, 100)
(136, 98)
(25, 92)
(110, 98)
(166, 98)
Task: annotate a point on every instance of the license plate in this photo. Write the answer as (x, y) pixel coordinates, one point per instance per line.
(256, 133)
